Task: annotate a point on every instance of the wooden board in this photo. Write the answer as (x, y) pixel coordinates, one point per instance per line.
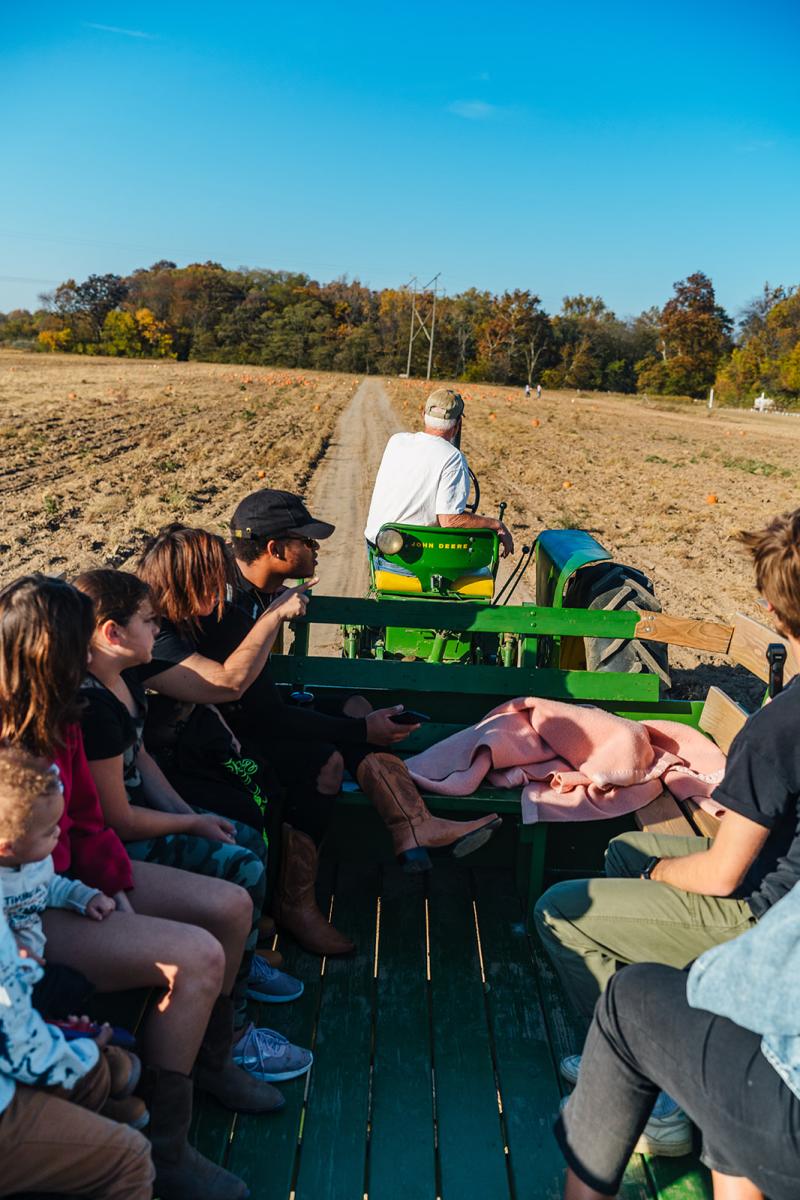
(683, 631)
(722, 718)
(749, 648)
(663, 815)
(705, 824)
(332, 1156)
(470, 1135)
(526, 1076)
(402, 1161)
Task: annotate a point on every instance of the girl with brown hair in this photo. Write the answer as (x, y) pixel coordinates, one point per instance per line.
(166, 933)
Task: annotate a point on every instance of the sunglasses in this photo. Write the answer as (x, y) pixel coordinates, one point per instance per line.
(307, 541)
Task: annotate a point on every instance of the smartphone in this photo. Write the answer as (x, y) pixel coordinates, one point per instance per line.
(409, 717)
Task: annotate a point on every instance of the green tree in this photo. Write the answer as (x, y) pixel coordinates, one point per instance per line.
(695, 335)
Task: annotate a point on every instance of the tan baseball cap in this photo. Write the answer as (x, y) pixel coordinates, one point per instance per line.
(444, 403)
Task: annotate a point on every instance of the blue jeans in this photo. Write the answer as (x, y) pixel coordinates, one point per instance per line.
(645, 1037)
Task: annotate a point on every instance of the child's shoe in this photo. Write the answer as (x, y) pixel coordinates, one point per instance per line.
(130, 1111)
(125, 1071)
(269, 985)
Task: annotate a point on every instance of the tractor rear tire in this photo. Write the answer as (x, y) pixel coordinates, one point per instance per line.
(618, 588)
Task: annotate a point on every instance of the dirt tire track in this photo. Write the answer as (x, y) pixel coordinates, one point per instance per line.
(340, 492)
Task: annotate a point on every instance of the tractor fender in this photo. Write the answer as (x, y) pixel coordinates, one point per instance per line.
(559, 554)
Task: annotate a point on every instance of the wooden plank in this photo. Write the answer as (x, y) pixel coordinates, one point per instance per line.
(684, 631)
(333, 1148)
(749, 647)
(721, 718)
(391, 675)
(471, 1147)
(673, 1180)
(402, 1162)
(705, 824)
(526, 1074)
(264, 1148)
(663, 816)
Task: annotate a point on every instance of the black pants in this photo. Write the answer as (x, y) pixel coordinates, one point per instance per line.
(645, 1037)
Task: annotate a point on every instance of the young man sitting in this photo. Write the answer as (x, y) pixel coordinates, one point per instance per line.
(669, 899)
(276, 539)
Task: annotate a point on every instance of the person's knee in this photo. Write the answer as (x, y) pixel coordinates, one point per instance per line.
(558, 907)
(329, 779)
(235, 907)
(199, 960)
(626, 855)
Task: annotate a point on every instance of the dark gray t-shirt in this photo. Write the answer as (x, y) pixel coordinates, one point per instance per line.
(762, 783)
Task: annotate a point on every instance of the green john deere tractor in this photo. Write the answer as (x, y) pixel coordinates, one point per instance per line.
(412, 563)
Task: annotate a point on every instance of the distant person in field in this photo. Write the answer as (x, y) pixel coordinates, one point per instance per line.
(538, 391)
(423, 478)
(527, 390)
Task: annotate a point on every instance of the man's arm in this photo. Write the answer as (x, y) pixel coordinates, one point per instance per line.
(719, 870)
(204, 681)
(465, 520)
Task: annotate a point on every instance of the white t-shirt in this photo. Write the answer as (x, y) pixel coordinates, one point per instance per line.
(419, 477)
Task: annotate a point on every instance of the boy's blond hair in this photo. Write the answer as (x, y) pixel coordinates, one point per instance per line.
(24, 781)
(776, 556)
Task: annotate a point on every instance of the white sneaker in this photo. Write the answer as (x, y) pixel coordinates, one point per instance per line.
(667, 1134)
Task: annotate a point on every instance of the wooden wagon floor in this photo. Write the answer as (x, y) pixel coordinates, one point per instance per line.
(436, 1049)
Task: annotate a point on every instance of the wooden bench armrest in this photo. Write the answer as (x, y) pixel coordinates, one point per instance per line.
(721, 718)
(663, 815)
(749, 644)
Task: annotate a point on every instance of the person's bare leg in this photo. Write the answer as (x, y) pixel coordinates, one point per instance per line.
(574, 1189)
(223, 908)
(734, 1187)
(128, 951)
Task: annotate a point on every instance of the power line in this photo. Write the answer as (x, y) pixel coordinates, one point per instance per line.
(414, 332)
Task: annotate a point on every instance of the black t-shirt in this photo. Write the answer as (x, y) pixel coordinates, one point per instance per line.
(262, 712)
(762, 783)
(109, 729)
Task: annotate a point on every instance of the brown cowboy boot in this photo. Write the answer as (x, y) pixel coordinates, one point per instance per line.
(295, 903)
(215, 1071)
(182, 1173)
(385, 779)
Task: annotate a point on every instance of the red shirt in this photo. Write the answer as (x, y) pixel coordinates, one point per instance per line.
(86, 848)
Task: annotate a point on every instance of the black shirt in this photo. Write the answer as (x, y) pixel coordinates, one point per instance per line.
(261, 712)
(762, 783)
(109, 729)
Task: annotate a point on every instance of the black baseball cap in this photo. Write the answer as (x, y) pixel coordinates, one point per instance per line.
(270, 513)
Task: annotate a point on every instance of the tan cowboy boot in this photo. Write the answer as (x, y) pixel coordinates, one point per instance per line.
(385, 779)
(295, 904)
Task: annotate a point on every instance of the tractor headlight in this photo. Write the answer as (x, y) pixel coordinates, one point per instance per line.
(389, 541)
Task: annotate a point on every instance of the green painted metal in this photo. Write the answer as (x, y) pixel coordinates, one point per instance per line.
(391, 676)
(430, 552)
(559, 554)
(470, 615)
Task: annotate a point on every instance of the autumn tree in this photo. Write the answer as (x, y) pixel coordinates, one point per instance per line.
(695, 334)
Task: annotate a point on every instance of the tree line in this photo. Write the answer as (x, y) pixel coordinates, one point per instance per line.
(204, 311)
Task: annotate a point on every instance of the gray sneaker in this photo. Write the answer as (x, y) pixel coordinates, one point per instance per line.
(270, 1056)
(269, 985)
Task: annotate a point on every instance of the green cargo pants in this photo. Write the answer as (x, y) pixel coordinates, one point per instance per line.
(592, 927)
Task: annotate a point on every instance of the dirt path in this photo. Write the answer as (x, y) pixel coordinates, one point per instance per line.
(340, 492)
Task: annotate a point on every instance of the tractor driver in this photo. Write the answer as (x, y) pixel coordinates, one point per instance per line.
(423, 478)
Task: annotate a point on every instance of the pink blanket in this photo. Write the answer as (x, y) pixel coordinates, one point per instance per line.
(573, 762)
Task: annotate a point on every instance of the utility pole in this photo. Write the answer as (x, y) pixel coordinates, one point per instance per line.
(420, 325)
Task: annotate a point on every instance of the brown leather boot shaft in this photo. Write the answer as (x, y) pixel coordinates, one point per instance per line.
(385, 779)
(181, 1172)
(215, 1048)
(295, 904)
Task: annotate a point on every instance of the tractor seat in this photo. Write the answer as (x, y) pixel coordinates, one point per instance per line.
(396, 580)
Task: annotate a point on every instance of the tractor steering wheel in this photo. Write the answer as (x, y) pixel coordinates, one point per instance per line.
(474, 505)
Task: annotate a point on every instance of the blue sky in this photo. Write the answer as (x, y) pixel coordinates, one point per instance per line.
(609, 148)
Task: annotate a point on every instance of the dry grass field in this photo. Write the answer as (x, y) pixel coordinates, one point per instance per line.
(97, 453)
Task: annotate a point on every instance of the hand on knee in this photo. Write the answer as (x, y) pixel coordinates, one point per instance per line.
(329, 780)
